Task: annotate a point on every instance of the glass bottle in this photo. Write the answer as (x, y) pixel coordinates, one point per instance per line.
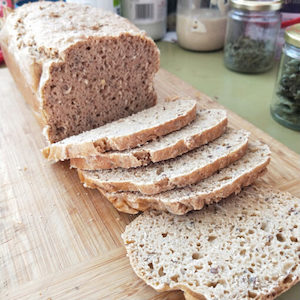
(201, 24)
(285, 106)
(148, 15)
(251, 35)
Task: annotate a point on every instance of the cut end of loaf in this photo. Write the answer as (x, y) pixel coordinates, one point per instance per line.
(101, 80)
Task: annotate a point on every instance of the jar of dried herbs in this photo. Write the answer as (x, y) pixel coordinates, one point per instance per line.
(251, 34)
(285, 107)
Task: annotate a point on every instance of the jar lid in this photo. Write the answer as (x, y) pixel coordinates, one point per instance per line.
(256, 5)
(292, 35)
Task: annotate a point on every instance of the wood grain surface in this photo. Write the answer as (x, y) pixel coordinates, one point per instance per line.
(61, 241)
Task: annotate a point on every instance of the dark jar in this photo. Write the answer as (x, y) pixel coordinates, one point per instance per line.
(285, 106)
(251, 35)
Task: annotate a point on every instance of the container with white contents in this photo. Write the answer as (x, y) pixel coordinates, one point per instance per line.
(201, 24)
(148, 15)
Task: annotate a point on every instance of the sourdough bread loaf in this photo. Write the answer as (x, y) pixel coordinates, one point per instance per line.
(227, 181)
(245, 247)
(126, 133)
(209, 125)
(78, 66)
(181, 171)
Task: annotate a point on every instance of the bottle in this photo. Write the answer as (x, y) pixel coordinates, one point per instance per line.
(201, 25)
(285, 106)
(251, 35)
(148, 15)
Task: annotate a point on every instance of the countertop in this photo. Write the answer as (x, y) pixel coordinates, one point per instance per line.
(247, 95)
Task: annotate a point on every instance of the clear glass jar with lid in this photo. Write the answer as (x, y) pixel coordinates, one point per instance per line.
(285, 106)
(251, 35)
(201, 24)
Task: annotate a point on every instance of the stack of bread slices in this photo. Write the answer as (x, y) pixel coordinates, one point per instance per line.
(171, 157)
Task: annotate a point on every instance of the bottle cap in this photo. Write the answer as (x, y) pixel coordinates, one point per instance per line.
(256, 5)
(292, 35)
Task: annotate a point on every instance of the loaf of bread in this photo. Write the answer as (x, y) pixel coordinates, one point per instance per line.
(220, 185)
(209, 125)
(245, 247)
(78, 66)
(126, 133)
(181, 171)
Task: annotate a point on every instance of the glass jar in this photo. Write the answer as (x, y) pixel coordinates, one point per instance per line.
(201, 24)
(251, 35)
(148, 15)
(285, 107)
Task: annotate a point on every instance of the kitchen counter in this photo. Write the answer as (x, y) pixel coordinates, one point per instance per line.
(247, 95)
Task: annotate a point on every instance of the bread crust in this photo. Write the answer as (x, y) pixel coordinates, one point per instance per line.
(165, 183)
(142, 157)
(180, 207)
(26, 90)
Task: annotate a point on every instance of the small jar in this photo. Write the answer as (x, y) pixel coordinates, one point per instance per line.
(251, 35)
(201, 25)
(285, 106)
(148, 15)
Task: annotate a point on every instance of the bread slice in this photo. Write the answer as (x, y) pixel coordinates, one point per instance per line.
(79, 67)
(186, 169)
(212, 189)
(209, 125)
(126, 133)
(245, 247)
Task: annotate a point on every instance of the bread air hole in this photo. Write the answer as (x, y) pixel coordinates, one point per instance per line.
(175, 278)
(195, 256)
(211, 238)
(212, 284)
(150, 266)
(280, 237)
(251, 294)
(164, 234)
(288, 279)
(161, 272)
(294, 268)
(294, 239)
(243, 252)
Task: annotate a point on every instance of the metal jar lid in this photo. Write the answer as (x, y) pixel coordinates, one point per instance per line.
(256, 5)
(292, 35)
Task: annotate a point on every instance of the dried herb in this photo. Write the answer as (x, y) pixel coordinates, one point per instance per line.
(249, 55)
(289, 87)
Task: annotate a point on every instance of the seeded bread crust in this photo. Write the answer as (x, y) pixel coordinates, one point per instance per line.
(126, 133)
(181, 171)
(209, 125)
(245, 247)
(78, 67)
(229, 180)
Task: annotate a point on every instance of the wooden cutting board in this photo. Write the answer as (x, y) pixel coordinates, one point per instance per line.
(59, 240)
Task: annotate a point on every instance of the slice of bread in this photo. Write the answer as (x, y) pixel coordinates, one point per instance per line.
(245, 247)
(212, 189)
(126, 133)
(186, 169)
(209, 125)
